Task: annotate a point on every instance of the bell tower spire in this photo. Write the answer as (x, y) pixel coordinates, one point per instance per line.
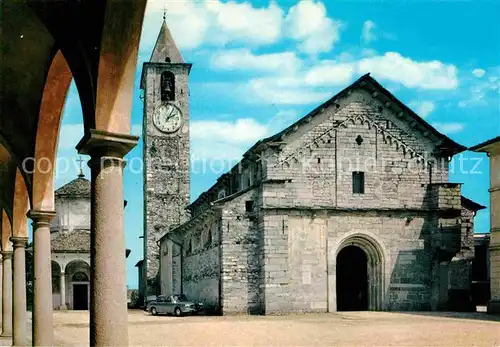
(166, 50)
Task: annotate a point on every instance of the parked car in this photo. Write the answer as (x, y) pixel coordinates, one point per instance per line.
(177, 304)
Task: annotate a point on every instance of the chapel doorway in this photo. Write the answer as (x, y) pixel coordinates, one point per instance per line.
(80, 296)
(352, 279)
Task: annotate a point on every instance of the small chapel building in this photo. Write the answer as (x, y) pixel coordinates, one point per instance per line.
(70, 244)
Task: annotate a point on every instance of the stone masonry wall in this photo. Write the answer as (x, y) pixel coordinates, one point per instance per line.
(355, 137)
(201, 262)
(240, 257)
(304, 278)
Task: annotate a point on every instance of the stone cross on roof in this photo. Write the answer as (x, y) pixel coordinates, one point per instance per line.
(80, 161)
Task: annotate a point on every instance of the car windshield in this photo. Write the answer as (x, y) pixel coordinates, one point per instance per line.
(180, 297)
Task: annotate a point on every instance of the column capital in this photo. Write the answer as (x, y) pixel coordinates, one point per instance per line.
(99, 143)
(41, 217)
(6, 255)
(19, 241)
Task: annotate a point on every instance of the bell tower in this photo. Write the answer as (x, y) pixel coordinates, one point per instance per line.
(166, 148)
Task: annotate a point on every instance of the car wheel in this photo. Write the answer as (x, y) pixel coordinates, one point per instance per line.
(178, 312)
(153, 311)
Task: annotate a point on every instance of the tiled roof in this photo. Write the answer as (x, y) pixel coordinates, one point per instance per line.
(77, 241)
(79, 187)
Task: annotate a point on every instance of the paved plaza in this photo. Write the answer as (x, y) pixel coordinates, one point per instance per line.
(342, 329)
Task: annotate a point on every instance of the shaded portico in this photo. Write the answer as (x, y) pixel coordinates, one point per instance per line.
(45, 46)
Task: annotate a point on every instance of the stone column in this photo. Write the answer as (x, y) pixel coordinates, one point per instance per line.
(7, 294)
(63, 290)
(42, 331)
(1, 280)
(108, 296)
(19, 287)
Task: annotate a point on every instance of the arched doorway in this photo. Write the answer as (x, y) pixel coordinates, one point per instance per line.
(78, 273)
(57, 299)
(359, 277)
(352, 279)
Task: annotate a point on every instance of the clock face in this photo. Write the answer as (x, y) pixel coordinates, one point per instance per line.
(167, 118)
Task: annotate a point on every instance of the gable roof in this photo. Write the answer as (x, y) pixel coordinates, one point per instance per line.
(79, 187)
(486, 146)
(445, 145)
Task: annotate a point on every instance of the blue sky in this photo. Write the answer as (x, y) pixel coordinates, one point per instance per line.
(258, 66)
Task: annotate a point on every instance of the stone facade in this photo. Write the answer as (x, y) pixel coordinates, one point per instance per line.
(70, 244)
(166, 154)
(288, 209)
(492, 148)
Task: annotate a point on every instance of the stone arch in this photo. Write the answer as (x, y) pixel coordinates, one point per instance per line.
(7, 179)
(76, 265)
(376, 265)
(80, 276)
(6, 232)
(56, 270)
(20, 207)
(77, 277)
(43, 166)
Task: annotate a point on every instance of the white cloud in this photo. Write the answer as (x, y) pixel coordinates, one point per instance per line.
(242, 130)
(244, 59)
(422, 108)
(367, 33)
(212, 22)
(241, 21)
(482, 92)
(312, 84)
(478, 73)
(308, 23)
(394, 67)
(224, 140)
(330, 73)
(449, 128)
(390, 67)
(282, 91)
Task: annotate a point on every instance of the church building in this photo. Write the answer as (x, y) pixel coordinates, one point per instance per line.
(70, 244)
(349, 208)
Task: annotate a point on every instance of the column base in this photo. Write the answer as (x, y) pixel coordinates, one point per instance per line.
(494, 306)
(62, 308)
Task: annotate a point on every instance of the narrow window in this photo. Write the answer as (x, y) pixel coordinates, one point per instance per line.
(249, 206)
(358, 182)
(167, 86)
(319, 160)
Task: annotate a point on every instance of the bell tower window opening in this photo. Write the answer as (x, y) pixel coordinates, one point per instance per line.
(167, 86)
